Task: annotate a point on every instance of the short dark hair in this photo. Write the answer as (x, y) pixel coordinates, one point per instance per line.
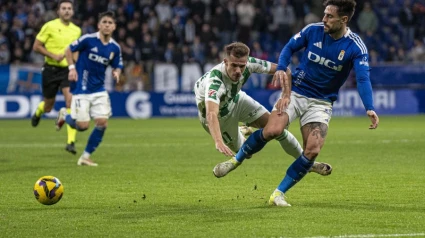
(110, 14)
(63, 1)
(237, 49)
(345, 7)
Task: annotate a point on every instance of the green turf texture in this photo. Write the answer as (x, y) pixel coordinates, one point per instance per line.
(155, 180)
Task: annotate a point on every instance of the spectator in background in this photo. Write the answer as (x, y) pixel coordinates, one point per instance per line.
(181, 11)
(187, 54)
(166, 34)
(197, 7)
(153, 22)
(311, 18)
(147, 53)
(129, 50)
(374, 57)
(402, 54)
(257, 51)
(417, 53)
(283, 21)
(189, 31)
(89, 9)
(38, 7)
(367, 20)
(220, 25)
(136, 79)
(246, 13)
(392, 55)
(133, 30)
(87, 26)
(164, 11)
(178, 29)
(259, 26)
(301, 9)
(233, 20)
(409, 21)
(170, 53)
(207, 36)
(112, 5)
(198, 49)
(213, 54)
(4, 54)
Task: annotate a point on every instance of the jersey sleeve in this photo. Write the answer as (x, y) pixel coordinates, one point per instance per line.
(214, 88)
(117, 60)
(79, 44)
(364, 86)
(296, 43)
(258, 66)
(43, 35)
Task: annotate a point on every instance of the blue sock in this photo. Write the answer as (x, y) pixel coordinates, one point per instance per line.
(296, 171)
(95, 139)
(71, 122)
(252, 145)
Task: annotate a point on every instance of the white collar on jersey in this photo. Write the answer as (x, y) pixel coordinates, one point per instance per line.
(348, 32)
(98, 37)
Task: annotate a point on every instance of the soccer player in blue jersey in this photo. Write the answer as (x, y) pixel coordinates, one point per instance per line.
(90, 100)
(331, 50)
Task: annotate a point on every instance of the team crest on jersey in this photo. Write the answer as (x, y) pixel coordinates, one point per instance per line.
(341, 55)
(212, 93)
(111, 56)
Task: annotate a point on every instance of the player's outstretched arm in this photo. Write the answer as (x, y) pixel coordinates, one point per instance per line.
(373, 118)
(72, 75)
(212, 110)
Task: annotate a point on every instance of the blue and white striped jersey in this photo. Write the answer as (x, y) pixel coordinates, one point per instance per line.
(326, 64)
(93, 59)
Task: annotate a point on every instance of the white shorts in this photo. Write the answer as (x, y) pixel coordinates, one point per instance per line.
(86, 106)
(246, 110)
(308, 110)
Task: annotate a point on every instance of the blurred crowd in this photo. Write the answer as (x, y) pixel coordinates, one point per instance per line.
(184, 31)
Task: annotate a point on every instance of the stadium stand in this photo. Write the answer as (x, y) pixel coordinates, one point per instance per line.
(182, 31)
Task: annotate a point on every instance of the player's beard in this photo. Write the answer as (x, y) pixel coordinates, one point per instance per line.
(334, 30)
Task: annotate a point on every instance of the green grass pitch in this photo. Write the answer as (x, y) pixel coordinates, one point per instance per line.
(155, 180)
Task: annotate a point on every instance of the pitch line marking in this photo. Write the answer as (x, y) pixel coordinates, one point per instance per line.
(371, 235)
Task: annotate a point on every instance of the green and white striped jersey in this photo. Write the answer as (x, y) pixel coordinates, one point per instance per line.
(216, 86)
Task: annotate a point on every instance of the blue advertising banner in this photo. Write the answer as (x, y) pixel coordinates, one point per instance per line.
(386, 102)
(142, 104)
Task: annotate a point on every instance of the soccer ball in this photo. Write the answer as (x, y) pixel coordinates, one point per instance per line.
(48, 190)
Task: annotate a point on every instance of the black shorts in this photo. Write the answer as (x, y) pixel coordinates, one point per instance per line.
(54, 78)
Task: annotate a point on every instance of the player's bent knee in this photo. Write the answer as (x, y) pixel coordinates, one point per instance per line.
(101, 122)
(270, 133)
(82, 126)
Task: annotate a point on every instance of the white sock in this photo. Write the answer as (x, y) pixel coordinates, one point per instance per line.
(290, 144)
(86, 155)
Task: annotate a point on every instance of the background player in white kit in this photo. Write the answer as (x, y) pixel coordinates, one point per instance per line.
(90, 100)
(222, 104)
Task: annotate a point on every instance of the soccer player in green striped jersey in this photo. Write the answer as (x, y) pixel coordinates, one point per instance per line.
(222, 105)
